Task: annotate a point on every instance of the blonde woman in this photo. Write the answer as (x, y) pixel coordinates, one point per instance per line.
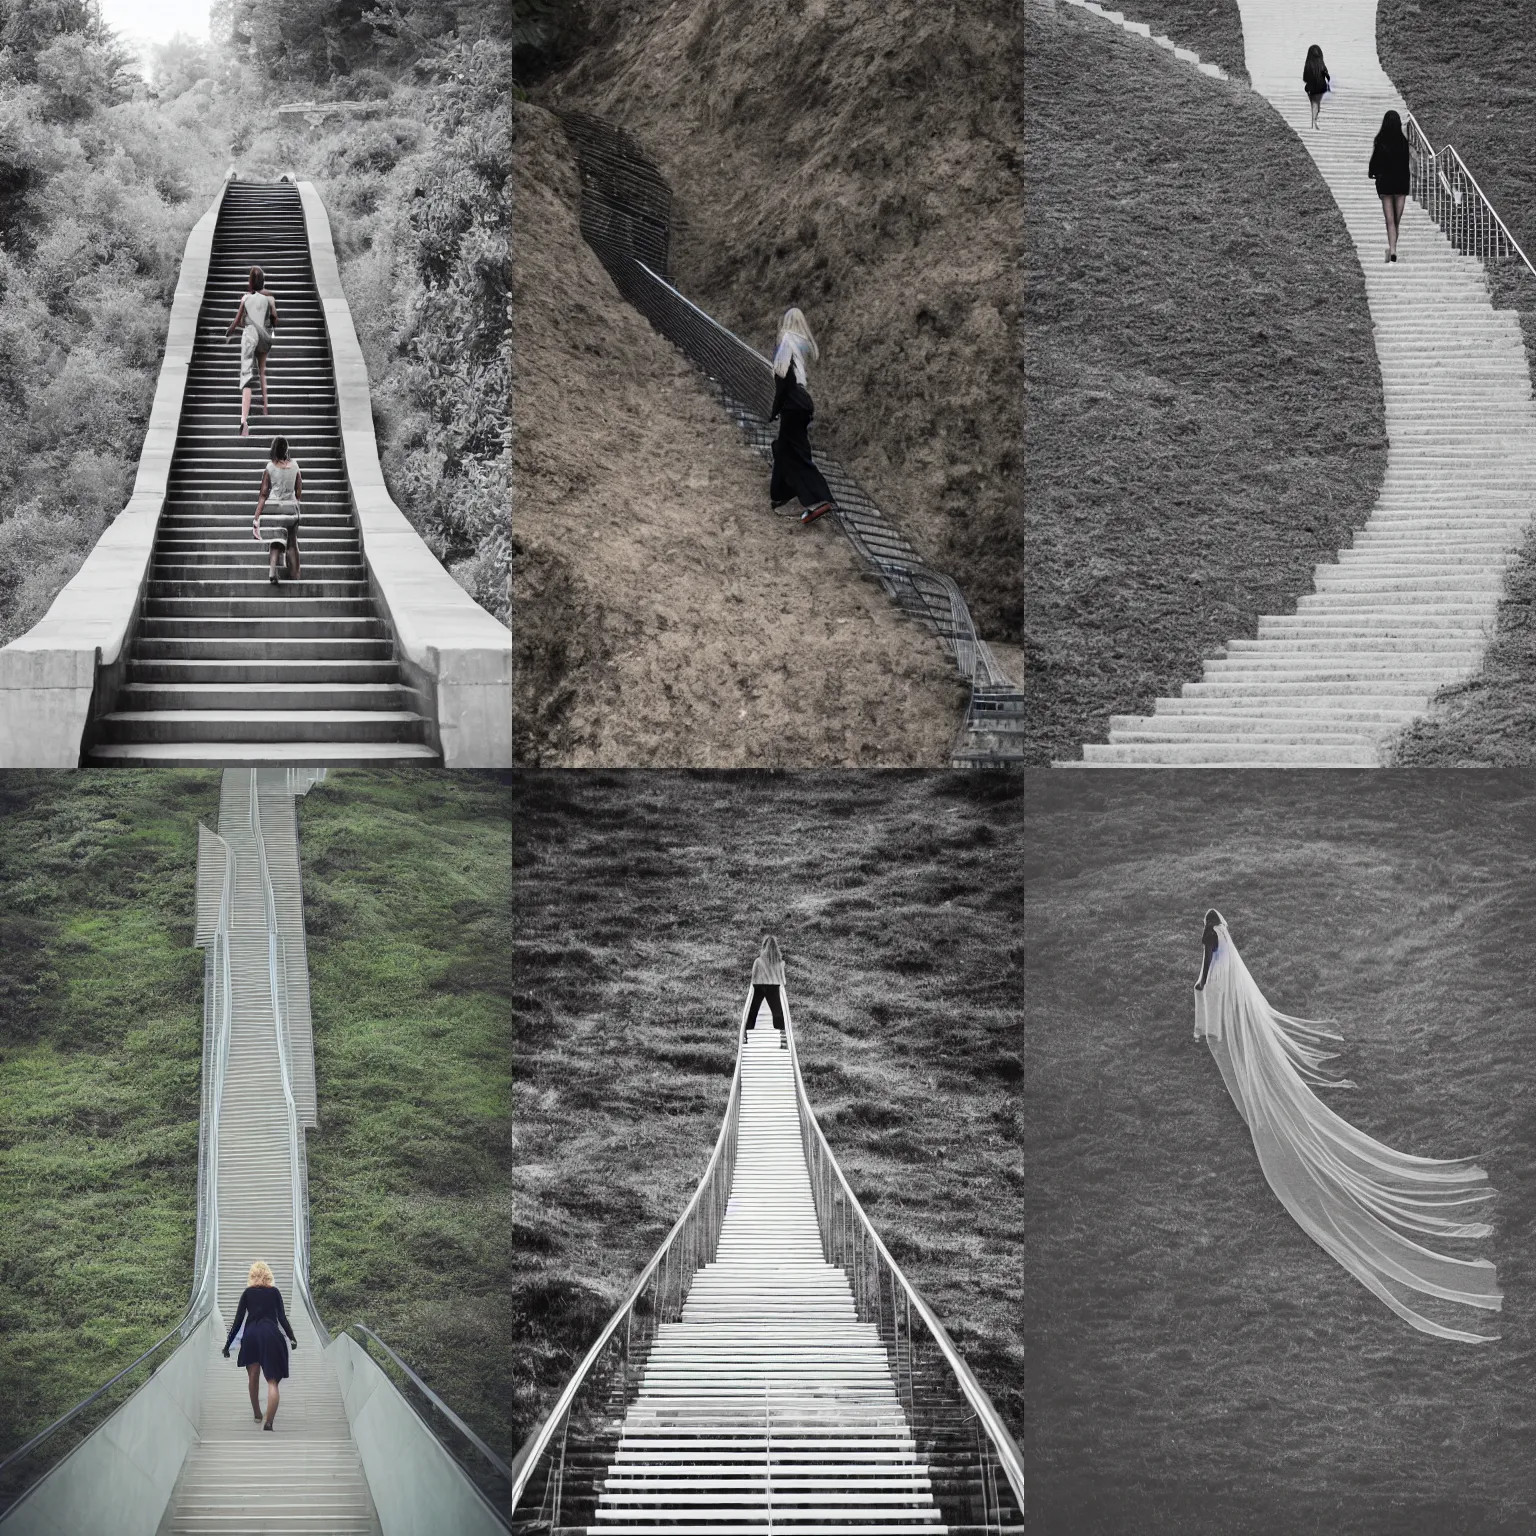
(256, 319)
(795, 476)
(768, 987)
(261, 1346)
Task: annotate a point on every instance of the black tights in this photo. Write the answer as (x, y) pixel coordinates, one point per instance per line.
(769, 991)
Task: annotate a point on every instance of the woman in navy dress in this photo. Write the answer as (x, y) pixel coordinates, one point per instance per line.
(795, 475)
(262, 1348)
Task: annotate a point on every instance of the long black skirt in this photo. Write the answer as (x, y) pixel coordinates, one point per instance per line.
(263, 1344)
(795, 476)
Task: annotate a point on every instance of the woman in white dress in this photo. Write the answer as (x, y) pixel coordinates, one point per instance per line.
(256, 319)
(1354, 1196)
(282, 502)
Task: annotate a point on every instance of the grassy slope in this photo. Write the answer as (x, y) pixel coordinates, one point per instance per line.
(1213, 28)
(100, 1052)
(1196, 1364)
(407, 909)
(640, 903)
(1467, 71)
(1204, 417)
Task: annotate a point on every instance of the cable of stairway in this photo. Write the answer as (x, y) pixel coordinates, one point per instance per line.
(168, 645)
(771, 1366)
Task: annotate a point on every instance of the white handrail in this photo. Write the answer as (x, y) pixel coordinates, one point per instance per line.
(1008, 1453)
(1474, 235)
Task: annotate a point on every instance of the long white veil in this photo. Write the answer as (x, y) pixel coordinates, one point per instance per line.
(1353, 1196)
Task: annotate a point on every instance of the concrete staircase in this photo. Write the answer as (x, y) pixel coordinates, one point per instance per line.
(224, 667)
(768, 1405)
(1408, 610)
(306, 1477)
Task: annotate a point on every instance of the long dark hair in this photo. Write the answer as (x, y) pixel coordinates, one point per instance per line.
(258, 280)
(1314, 54)
(1390, 134)
(279, 449)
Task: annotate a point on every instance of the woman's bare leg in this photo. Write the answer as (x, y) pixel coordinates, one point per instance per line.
(293, 555)
(274, 554)
(1317, 102)
(261, 368)
(245, 411)
(1386, 213)
(253, 1373)
(272, 1396)
(1398, 204)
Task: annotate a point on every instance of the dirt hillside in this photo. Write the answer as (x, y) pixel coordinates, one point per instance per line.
(664, 616)
(864, 162)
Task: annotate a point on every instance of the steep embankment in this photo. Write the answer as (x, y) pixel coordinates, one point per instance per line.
(97, 196)
(100, 1054)
(638, 909)
(1467, 71)
(1205, 418)
(863, 162)
(665, 616)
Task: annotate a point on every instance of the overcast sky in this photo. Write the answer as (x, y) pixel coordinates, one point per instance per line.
(154, 21)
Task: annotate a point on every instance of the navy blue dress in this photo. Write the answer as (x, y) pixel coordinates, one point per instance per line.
(261, 1310)
(795, 476)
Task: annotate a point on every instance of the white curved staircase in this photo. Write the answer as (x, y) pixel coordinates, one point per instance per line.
(1408, 609)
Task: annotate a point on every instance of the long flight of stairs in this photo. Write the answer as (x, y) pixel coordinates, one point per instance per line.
(768, 1405)
(306, 1477)
(224, 667)
(1408, 610)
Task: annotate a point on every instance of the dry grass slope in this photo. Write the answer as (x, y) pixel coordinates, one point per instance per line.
(1204, 404)
(665, 615)
(1196, 1364)
(639, 907)
(863, 162)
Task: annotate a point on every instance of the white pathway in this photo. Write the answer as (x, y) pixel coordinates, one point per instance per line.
(768, 1405)
(306, 1476)
(1409, 609)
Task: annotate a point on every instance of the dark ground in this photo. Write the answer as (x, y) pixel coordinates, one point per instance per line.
(1195, 1363)
(641, 900)
(1204, 418)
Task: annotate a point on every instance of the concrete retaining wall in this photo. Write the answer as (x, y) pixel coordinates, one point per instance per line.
(50, 676)
(118, 1481)
(454, 653)
(418, 1488)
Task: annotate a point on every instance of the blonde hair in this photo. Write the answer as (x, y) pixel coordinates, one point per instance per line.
(794, 324)
(260, 1274)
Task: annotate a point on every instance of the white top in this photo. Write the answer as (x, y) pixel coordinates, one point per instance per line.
(793, 349)
(258, 311)
(283, 479)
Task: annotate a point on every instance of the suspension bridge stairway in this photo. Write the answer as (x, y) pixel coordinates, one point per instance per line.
(768, 1400)
(306, 1477)
(224, 667)
(1407, 610)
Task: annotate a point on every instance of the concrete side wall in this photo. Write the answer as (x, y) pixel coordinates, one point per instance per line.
(48, 676)
(418, 1488)
(119, 1480)
(456, 655)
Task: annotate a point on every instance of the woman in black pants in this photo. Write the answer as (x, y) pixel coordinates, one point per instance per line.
(767, 986)
(261, 1347)
(1389, 168)
(795, 476)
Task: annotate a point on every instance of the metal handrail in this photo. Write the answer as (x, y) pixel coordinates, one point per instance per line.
(856, 1247)
(1439, 181)
(665, 1266)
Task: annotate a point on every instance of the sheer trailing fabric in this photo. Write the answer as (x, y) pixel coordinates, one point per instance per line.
(1353, 1196)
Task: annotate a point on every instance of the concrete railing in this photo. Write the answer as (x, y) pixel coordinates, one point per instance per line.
(50, 676)
(418, 1488)
(457, 657)
(118, 1481)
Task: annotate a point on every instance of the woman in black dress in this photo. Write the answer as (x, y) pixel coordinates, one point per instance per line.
(1389, 169)
(262, 1348)
(1314, 76)
(795, 476)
